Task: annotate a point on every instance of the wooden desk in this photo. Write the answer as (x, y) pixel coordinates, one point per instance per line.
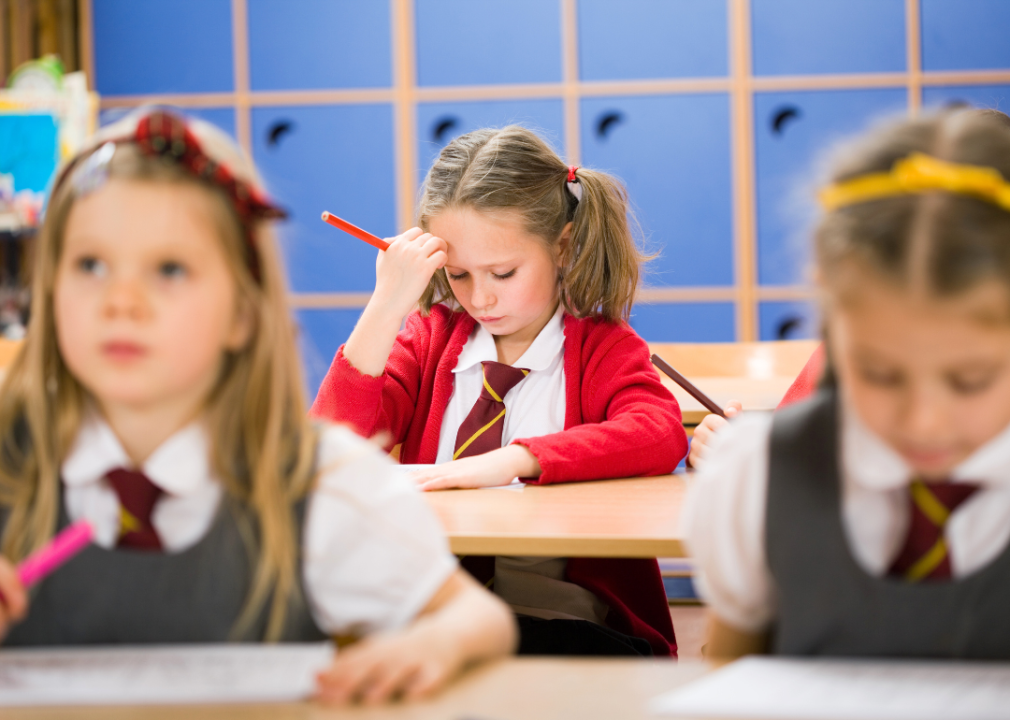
(515, 689)
(633, 518)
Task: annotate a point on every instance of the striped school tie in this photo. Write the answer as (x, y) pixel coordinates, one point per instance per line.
(481, 431)
(137, 498)
(925, 555)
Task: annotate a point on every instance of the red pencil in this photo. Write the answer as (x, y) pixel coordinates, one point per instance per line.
(355, 231)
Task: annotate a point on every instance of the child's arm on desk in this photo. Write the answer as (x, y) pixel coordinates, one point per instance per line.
(461, 625)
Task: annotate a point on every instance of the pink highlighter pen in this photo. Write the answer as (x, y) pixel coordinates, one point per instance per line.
(64, 546)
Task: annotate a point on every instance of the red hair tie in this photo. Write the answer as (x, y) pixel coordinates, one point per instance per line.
(571, 173)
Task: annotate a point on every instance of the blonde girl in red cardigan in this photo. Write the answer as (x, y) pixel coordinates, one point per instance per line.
(519, 362)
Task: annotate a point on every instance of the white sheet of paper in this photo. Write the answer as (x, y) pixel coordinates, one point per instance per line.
(845, 690)
(162, 674)
(514, 485)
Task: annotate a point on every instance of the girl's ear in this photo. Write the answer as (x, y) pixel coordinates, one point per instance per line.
(563, 242)
(242, 326)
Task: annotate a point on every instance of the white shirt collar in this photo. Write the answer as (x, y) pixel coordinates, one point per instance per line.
(180, 466)
(539, 355)
(871, 462)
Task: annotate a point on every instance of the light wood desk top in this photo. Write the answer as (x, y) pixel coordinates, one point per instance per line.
(636, 517)
(514, 689)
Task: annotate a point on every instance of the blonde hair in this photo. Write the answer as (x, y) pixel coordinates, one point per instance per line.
(262, 443)
(513, 169)
(942, 242)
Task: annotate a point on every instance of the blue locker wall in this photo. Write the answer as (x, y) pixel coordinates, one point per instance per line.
(672, 148)
(684, 322)
(341, 44)
(793, 130)
(143, 47)
(648, 39)
(779, 320)
(439, 123)
(337, 158)
(800, 37)
(672, 152)
(321, 332)
(965, 34)
(481, 42)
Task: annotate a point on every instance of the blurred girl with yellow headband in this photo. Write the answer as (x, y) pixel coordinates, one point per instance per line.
(873, 519)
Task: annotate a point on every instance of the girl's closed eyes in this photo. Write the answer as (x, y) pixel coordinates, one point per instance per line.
(497, 276)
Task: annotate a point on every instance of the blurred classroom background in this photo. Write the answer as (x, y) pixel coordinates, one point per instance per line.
(713, 112)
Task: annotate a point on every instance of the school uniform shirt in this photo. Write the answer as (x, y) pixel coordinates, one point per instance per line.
(724, 516)
(535, 406)
(619, 421)
(374, 554)
(533, 586)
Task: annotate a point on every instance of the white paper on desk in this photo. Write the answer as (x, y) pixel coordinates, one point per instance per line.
(845, 690)
(516, 484)
(164, 674)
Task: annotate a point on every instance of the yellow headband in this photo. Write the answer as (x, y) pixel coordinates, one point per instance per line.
(919, 173)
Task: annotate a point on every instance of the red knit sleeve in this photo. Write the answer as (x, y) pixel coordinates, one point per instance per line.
(373, 405)
(631, 423)
(806, 382)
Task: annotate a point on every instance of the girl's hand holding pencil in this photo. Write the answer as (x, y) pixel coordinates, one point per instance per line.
(13, 596)
(403, 271)
(701, 441)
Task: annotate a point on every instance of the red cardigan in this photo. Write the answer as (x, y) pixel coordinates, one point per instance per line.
(619, 422)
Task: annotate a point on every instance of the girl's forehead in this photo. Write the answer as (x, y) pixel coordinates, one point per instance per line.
(141, 213)
(484, 237)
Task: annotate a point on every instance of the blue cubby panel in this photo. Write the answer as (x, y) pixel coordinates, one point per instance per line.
(439, 123)
(481, 42)
(637, 39)
(793, 131)
(142, 48)
(223, 118)
(318, 44)
(799, 37)
(673, 153)
(778, 320)
(685, 322)
(965, 34)
(996, 97)
(337, 158)
(320, 333)
(29, 149)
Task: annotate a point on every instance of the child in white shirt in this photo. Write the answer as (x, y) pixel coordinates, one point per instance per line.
(158, 396)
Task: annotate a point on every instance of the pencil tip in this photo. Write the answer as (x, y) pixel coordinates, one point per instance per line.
(326, 215)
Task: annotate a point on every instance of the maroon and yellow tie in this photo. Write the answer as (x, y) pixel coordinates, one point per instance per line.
(925, 555)
(481, 431)
(137, 498)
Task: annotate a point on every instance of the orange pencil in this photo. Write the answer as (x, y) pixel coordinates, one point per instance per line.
(355, 231)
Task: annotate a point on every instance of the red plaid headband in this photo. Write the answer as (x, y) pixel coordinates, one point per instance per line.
(164, 134)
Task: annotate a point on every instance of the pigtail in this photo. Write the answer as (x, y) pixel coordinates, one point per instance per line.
(601, 262)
